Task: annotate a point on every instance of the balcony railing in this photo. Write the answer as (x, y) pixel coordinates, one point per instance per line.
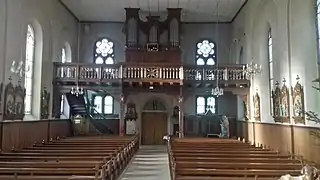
(105, 73)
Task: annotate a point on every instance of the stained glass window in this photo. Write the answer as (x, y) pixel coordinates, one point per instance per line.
(103, 104)
(62, 104)
(63, 55)
(270, 62)
(98, 103)
(211, 104)
(205, 103)
(108, 105)
(104, 52)
(206, 53)
(28, 77)
(201, 105)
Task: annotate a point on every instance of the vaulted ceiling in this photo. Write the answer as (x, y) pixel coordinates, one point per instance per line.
(193, 10)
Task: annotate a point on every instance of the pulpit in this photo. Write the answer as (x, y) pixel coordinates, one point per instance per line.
(130, 118)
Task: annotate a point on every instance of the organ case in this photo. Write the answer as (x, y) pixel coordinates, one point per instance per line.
(153, 40)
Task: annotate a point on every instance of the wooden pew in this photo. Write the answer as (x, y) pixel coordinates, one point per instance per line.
(70, 161)
(213, 159)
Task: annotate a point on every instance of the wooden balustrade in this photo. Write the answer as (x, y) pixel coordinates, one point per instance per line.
(96, 72)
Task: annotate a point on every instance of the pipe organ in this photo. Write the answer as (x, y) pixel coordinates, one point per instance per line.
(153, 40)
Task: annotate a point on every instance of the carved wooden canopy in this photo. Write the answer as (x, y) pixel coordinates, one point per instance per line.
(298, 103)
(281, 109)
(14, 102)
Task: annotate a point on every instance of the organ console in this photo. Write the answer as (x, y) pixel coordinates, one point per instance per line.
(153, 40)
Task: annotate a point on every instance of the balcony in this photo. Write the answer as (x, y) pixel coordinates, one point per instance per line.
(69, 73)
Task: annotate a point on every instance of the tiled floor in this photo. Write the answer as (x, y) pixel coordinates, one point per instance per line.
(150, 163)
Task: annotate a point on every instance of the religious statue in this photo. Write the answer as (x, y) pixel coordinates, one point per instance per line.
(298, 102)
(45, 100)
(297, 108)
(284, 107)
(245, 110)
(256, 102)
(257, 109)
(224, 127)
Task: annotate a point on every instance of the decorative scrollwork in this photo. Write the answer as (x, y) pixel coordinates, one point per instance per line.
(152, 73)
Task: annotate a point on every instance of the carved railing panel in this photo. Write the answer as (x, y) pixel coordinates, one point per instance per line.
(96, 72)
(151, 72)
(87, 72)
(66, 71)
(208, 73)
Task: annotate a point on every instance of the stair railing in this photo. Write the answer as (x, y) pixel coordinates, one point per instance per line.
(89, 108)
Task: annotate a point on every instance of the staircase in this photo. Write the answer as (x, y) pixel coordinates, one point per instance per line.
(79, 105)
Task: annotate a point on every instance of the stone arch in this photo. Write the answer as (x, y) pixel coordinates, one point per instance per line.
(155, 104)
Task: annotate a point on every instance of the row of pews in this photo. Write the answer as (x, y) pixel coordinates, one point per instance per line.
(227, 159)
(77, 158)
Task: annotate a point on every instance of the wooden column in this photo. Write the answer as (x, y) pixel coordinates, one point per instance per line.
(121, 120)
(181, 121)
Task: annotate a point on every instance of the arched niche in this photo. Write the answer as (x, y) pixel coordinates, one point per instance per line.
(155, 105)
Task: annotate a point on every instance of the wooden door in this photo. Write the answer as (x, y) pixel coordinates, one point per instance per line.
(154, 127)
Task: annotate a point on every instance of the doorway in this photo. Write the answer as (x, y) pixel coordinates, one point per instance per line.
(154, 127)
(153, 123)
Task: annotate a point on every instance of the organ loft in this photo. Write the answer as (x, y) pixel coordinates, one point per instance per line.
(150, 40)
(159, 89)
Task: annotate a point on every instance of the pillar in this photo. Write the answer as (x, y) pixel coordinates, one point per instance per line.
(121, 120)
(181, 121)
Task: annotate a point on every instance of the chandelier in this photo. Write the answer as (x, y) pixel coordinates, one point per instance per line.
(252, 69)
(217, 91)
(76, 91)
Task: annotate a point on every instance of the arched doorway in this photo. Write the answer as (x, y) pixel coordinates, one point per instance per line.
(153, 123)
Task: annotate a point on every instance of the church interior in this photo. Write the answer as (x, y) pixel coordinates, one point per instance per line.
(159, 89)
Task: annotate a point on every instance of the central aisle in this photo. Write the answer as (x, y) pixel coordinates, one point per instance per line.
(150, 163)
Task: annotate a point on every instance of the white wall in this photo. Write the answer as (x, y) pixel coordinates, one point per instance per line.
(294, 46)
(51, 21)
(93, 32)
(191, 34)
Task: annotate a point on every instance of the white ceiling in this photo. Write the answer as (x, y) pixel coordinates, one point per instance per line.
(193, 10)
